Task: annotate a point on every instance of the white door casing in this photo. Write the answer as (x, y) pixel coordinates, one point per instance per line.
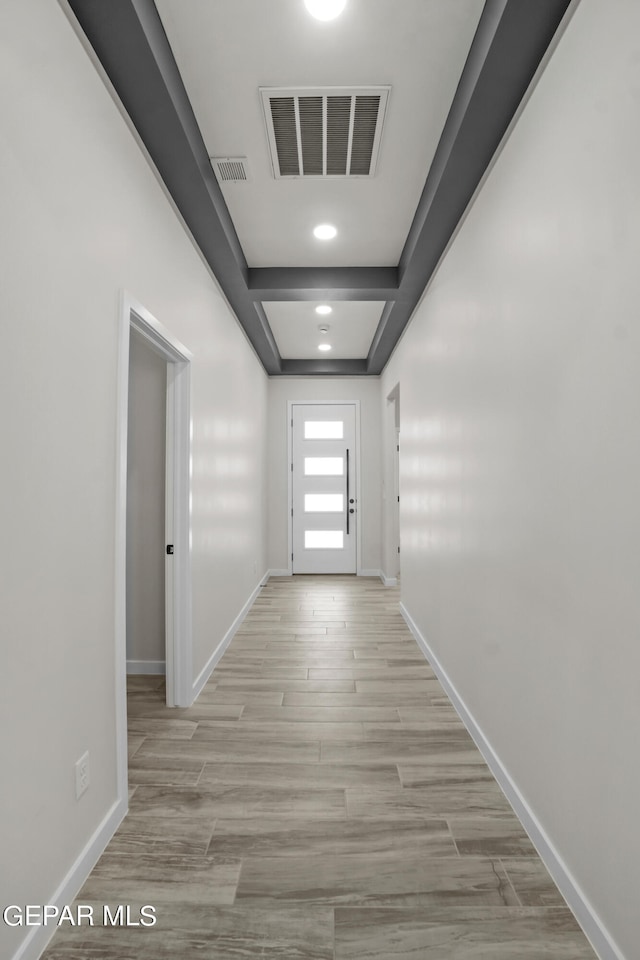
(177, 517)
(396, 503)
(324, 488)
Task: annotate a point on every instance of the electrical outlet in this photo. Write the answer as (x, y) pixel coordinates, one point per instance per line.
(82, 774)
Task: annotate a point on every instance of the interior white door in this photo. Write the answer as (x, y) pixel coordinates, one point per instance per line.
(324, 488)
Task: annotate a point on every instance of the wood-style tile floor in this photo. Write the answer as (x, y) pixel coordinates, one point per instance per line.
(320, 801)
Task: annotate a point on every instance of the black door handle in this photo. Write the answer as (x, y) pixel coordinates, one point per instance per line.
(348, 491)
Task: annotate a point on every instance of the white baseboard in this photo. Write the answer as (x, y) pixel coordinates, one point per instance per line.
(378, 574)
(37, 939)
(387, 581)
(594, 929)
(208, 668)
(146, 666)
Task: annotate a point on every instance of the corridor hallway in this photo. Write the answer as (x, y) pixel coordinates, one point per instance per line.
(320, 801)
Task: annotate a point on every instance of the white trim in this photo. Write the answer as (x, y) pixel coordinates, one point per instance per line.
(171, 604)
(146, 667)
(34, 944)
(592, 926)
(153, 331)
(120, 602)
(208, 668)
(387, 581)
(179, 520)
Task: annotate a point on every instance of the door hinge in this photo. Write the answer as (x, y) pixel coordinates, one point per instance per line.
(398, 499)
(398, 549)
(291, 468)
(292, 556)
(291, 511)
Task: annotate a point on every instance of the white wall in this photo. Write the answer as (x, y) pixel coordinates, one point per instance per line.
(83, 217)
(146, 444)
(520, 463)
(318, 390)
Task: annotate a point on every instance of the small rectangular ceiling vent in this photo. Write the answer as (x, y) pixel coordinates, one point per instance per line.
(324, 132)
(230, 169)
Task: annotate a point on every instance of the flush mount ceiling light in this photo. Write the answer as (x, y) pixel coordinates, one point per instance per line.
(324, 309)
(324, 231)
(325, 9)
(324, 347)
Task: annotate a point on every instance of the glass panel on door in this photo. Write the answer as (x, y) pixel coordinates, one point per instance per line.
(323, 430)
(323, 466)
(323, 503)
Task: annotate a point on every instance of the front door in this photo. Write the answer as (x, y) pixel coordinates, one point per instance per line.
(324, 488)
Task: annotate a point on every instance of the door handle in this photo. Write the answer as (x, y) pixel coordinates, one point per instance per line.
(347, 498)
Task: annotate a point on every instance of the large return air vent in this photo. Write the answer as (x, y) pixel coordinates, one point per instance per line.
(324, 132)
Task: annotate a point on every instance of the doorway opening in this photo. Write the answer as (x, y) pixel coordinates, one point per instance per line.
(146, 510)
(138, 325)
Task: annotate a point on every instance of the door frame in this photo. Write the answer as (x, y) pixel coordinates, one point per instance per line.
(178, 626)
(321, 403)
(392, 558)
(396, 504)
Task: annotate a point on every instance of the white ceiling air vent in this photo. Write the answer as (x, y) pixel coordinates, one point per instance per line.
(230, 169)
(325, 131)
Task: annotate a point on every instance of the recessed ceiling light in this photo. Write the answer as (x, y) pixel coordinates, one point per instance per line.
(324, 309)
(325, 9)
(324, 231)
(324, 347)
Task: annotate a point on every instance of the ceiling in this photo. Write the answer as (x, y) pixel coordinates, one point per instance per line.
(190, 74)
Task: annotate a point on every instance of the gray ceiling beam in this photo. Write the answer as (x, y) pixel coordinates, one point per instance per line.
(323, 283)
(509, 45)
(129, 40)
(324, 368)
(510, 42)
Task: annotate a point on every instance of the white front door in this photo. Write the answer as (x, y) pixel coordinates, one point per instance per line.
(324, 488)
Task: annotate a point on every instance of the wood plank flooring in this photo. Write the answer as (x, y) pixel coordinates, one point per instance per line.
(320, 801)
